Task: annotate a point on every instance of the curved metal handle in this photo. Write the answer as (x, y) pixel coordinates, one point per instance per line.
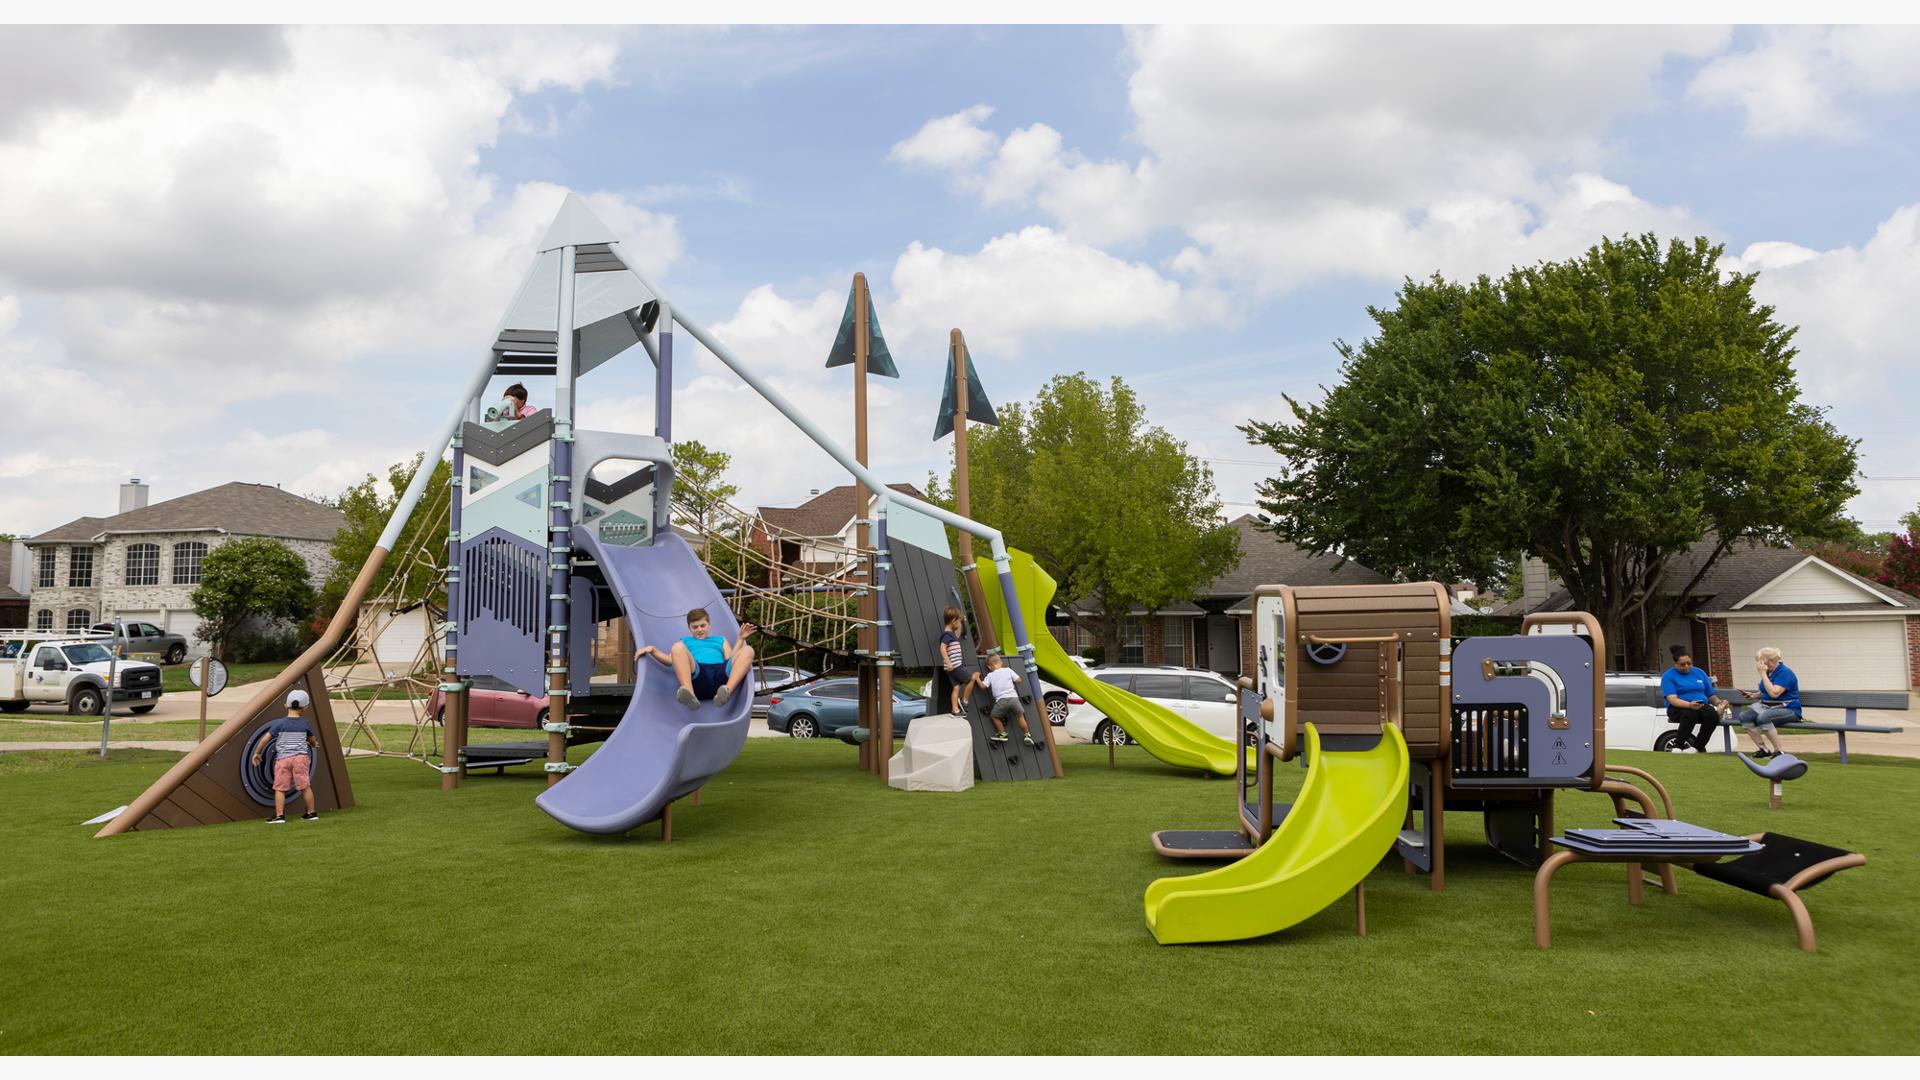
(1320, 639)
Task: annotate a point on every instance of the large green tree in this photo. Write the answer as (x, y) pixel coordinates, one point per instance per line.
(1115, 509)
(241, 579)
(1603, 413)
(367, 505)
(700, 484)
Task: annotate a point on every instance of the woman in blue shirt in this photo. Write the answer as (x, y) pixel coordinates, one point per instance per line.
(1779, 701)
(1690, 701)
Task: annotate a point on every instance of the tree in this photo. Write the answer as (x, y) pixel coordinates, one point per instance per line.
(1115, 510)
(367, 505)
(699, 481)
(1901, 568)
(249, 577)
(1604, 414)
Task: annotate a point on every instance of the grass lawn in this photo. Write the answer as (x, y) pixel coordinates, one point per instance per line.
(176, 680)
(88, 731)
(805, 908)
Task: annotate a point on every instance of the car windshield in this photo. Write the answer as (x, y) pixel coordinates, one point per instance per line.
(86, 654)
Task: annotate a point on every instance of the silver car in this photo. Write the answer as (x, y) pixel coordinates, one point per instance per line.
(146, 639)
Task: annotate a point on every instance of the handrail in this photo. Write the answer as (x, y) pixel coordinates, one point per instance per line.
(1323, 639)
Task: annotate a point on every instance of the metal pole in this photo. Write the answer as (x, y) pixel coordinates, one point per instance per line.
(560, 527)
(963, 500)
(206, 674)
(662, 354)
(106, 703)
(883, 619)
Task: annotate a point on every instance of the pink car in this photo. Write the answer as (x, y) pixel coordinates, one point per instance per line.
(492, 703)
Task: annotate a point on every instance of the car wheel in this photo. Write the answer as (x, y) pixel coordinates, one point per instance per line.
(1056, 709)
(84, 702)
(142, 710)
(802, 726)
(176, 654)
(540, 721)
(1666, 741)
(1110, 734)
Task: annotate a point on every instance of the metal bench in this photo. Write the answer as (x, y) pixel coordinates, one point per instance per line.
(1852, 701)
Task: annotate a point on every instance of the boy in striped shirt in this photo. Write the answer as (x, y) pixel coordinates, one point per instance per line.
(291, 738)
(953, 659)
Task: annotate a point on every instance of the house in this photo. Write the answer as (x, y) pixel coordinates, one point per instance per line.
(1838, 631)
(143, 563)
(1215, 629)
(13, 585)
(817, 534)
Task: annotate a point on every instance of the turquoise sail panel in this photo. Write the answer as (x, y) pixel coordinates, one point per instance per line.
(478, 478)
(979, 409)
(879, 359)
(531, 495)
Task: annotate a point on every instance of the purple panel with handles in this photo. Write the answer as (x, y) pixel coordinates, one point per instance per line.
(1544, 753)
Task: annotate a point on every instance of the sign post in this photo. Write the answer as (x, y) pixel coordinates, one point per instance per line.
(210, 676)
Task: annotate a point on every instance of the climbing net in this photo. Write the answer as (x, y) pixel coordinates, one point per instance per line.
(802, 592)
(367, 686)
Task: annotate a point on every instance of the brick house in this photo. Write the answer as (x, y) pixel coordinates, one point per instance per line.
(817, 532)
(1214, 630)
(1839, 631)
(143, 563)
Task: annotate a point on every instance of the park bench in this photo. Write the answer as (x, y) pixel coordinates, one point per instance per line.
(1851, 701)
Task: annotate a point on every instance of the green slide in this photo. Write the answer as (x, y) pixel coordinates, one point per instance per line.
(1166, 735)
(1345, 821)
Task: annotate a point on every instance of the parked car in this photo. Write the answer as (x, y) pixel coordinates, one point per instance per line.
(70, 670)
(827, 706)
(773, 679)
(494, 703)
(1056, 703)
(146, 639)
(1209, 700)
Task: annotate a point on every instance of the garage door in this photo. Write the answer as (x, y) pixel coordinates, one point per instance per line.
(400, 639)
(185, 623)
(1827, 654)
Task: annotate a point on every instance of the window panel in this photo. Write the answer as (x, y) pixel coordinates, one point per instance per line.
(1165, 687)
(1121, 681)
(79, 568)
(78, 618)
(46, 572)
(1173, 639)
(1133, 641)
(143, 564)
(186, 562)
(44, 620)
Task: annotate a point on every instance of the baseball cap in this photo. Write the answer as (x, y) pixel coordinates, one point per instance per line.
(298, 700)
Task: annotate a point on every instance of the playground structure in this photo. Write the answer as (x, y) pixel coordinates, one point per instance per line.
(541, 552)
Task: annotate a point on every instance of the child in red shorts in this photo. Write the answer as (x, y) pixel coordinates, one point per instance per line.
(292, 740)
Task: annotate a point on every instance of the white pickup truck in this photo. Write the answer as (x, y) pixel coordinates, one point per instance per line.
(70, 670)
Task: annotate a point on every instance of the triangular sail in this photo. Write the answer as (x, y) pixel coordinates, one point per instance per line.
(979, 409)
(879, 359)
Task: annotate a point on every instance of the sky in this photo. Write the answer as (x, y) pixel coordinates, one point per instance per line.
(273, 254)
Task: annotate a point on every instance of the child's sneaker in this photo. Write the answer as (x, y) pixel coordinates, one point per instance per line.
(958, 712)
(310, 816)
(277, 819)
(998, 738)
(1027, 737)
(685, 697)
(721, 695)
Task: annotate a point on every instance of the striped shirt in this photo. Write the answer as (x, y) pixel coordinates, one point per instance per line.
(950, 654)
(290, 735)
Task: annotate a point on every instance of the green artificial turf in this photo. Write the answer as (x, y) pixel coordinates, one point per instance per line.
(805, 908)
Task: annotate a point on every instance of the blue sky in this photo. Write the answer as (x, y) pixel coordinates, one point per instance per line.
(304, 234)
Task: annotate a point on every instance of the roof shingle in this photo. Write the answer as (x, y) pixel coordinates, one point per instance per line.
(239, 508)
(826, 514)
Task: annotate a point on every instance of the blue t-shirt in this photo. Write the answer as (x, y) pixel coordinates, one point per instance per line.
(1789, 684)
(1693, 685)
(706, 650)
(291, 736)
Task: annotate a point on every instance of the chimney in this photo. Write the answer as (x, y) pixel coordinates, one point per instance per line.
(1536, 582)
(133, 495)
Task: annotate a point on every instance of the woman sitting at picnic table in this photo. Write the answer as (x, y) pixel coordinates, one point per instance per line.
(1779, 693)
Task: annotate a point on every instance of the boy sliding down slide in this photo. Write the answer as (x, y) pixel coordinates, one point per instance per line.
(709, 668)
(1006, 700)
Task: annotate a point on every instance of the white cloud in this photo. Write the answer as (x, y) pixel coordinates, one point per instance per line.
(1804, 80)
(236, 234)
(948, 142)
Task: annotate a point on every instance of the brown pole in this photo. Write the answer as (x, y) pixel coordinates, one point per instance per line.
(862, 539)
(272, 691)
(962, 493)
(454, 705)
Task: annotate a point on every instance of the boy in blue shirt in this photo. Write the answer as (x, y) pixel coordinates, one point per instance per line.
(1779, 692)
(291, 738)
(709, 668)
(1690, 699)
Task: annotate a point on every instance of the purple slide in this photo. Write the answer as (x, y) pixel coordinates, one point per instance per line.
(661, 751)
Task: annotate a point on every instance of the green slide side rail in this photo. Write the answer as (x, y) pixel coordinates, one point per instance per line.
(1165, 734)
(1345, 821)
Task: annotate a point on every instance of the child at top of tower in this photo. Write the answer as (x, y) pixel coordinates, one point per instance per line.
(709, 667)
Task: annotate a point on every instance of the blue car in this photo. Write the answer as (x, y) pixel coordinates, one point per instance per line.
(826, 707)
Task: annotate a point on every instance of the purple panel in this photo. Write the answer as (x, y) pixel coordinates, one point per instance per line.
(503, 586)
